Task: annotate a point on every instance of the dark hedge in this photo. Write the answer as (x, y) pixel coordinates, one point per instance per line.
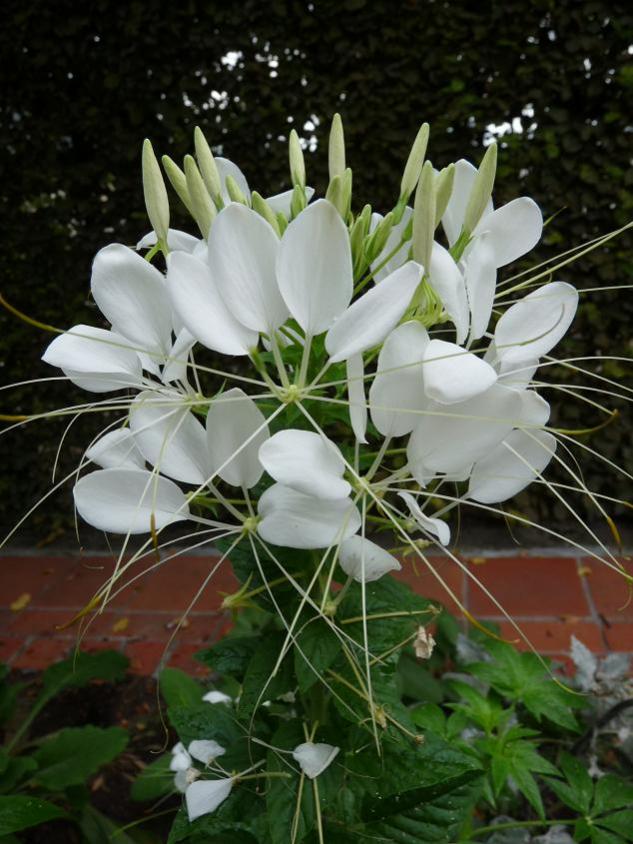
(82, 84)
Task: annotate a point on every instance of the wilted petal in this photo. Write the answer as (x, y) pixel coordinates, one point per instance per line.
(204, 796)
(206, 750)
(356, 397)
(197, 301)
(236, 430)
(306, 462)
(396, 395)
(436, 527)
(94, 359)
(116, 449)
(131, 294)
(481, 280)
(369, 319)
(129, 501)
(314, 758)
(314, 268)
(170, 437)
(280, 202)
(243, 252)
(452, 375)
(364, 560)
(177, 241)
(533, 326)
(180, 759)
(451, 438)
(511, 466)
(513, 229)
(226, 167)
(449, 284)
(453, 218)
(295, 520)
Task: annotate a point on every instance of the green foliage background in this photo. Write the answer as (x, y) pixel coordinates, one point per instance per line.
(82, 84)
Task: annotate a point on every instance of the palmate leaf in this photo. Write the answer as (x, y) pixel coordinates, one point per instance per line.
(75, 753)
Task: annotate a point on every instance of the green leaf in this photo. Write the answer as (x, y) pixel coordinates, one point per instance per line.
(316, 648)
(80, 669)
(154, 780)
(232, 822)
(619, 822)
(178, 688)
(74, 754)
(566, 793)
(220, 724)
(98, 829)
(282, 794)
(417, 682)
(529, 788)
(18, 813)
(611, 793)
(15, 771)
(603, 836)
(579, 780)
(230, 655)
(430, 717)
(259, 684)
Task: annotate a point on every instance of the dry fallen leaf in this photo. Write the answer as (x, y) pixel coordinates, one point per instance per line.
(120, 625)
(478, 561)
(20, 603)
(423, 644)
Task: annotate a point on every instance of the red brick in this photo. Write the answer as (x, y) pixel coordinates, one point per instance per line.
(620, 637)
(182, 658)
(145, 657)
(528, 586)
(42, 623)
(9, 646)
(40, 653)
(32, 575)
(549, 637)
(78, 584)
(610, 590)
(419, 577)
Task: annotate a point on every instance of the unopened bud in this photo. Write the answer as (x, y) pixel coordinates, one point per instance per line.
(234, 191)
(208, 167)
(378, 238)
(443, 190)
(203, 208)
(481, 190)
(297, 163)
(178, 182)
(264, 210)
(424, 217)
(336, 148)
(413, 167)
(156, 200)
(334, 193)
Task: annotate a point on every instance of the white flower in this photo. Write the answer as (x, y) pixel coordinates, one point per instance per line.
(436, 527)
(204, 796)
(306, 462)
(364, 560)
(116, 450)
(313, 758)
(215, 696)
(180, 758)
(205, 750)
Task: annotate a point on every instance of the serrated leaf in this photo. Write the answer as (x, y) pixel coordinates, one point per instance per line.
(283, 794)
(529, 788)
(75, 753)
(259, 683)
(232, 821)
(430, 717)
(178, 688)
(619, 822)
(316, 648)
(611, 793)
(579, 779)
(217, 723)
(17, 812)
(230, 656)
(603, 836)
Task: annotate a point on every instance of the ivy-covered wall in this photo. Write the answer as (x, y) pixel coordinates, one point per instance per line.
(82, 84)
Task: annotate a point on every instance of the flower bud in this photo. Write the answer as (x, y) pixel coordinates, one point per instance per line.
(414, 163)
(443, 190)
(234, 191)
(339, 193)
(357, 236)
(203, 209)
(208, 167)
(378, 238)
(482, 189)
(178, 182)
(336, 148)
(156, 200)
(264, 210)
(297, 163)
(424, 217)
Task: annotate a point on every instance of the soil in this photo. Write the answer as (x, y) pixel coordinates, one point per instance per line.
(132, 704)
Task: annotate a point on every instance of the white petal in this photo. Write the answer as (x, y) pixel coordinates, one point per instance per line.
(204, 796)
(513, 229)
(196, 299)
(397, 393)
(356, 397)
(181, 781)
(176, 365)
(295, 520)
(227, 168)
(116, 449)
(452, 375)
(453, 218)
(131, 294)
(306, 462)
(280, 202)
(511, 466)
(314, 758)
(395, 237)
(535, 411)
(516, 375)
(369, 319)
(534, 325)
(314, 268)
(170, 437)
(364, 560)
(236, 426)
(450, 438)
(129, 501)
(243, 250)
(481, 280)
(449, 284)
(177, 241)
(95, 359)
(214, 696)
(206, 750)
(180, 759)
(436, 527)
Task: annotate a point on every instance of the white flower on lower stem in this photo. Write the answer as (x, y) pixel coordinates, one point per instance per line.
(453, 375)
(314, 758)
(180, 758)
(436, 527)
(116, 450)
(365, 561)
(307, 462)
(205, 750)
(204, 796)
(214, 696)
